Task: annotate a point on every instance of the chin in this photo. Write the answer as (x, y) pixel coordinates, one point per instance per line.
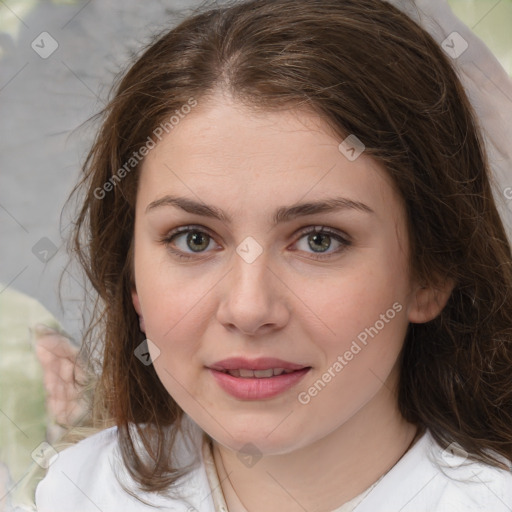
(265, 440)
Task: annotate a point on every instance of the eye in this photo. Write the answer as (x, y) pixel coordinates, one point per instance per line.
(320, 237)
(198, 240)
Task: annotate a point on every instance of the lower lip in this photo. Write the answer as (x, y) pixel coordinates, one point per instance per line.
(257, 389)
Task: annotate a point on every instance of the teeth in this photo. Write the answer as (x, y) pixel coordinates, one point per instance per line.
(260, 374)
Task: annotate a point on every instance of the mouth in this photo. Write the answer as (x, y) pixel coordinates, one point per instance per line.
(260, 368)
(259, 374)
(258, 384)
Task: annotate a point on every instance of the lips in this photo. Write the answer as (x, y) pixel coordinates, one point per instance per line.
(258, 374)
(246, 379)
(262, 367)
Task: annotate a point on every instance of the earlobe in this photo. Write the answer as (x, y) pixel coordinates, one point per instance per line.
(429, 301)
(136, 305)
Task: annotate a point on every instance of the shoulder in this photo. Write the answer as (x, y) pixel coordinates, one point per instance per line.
(469, 484)
(90, 475)
(431, 479)
(74, 461)
(81, 469)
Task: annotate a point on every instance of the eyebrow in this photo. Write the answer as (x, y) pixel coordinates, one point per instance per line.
(282, 214)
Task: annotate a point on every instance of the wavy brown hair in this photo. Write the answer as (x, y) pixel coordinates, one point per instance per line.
(366, 69)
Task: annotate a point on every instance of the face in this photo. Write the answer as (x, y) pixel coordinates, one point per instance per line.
(327, 291)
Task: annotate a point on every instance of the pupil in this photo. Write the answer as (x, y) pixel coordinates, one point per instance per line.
(321, 236)
(195, 236)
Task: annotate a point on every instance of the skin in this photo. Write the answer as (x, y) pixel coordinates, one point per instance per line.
(285, 304)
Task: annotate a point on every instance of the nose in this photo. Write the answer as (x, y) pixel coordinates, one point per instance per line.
(254, 300)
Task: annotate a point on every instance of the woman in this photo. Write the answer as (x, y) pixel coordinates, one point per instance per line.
(263, 132)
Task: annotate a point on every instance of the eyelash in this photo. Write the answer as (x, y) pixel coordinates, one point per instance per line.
(169, 238)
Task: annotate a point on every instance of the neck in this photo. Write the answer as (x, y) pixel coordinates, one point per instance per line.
(320, 477)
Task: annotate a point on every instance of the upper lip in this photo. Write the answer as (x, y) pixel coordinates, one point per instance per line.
(262, 363)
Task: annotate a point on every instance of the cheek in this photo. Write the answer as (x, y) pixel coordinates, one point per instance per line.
(369, 323)
(357, 299)
(168, 291)
(365, 311)
(175, 320)
(173, 306)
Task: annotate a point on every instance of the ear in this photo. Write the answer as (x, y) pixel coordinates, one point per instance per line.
(136, 305)
(429, 301)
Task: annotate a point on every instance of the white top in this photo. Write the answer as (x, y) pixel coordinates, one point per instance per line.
(81, 478)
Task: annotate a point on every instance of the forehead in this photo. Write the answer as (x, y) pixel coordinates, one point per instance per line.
(227, 153)
(226, 128)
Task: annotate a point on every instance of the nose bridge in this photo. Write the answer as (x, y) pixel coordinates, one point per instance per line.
(251, 273)
(252, 297)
